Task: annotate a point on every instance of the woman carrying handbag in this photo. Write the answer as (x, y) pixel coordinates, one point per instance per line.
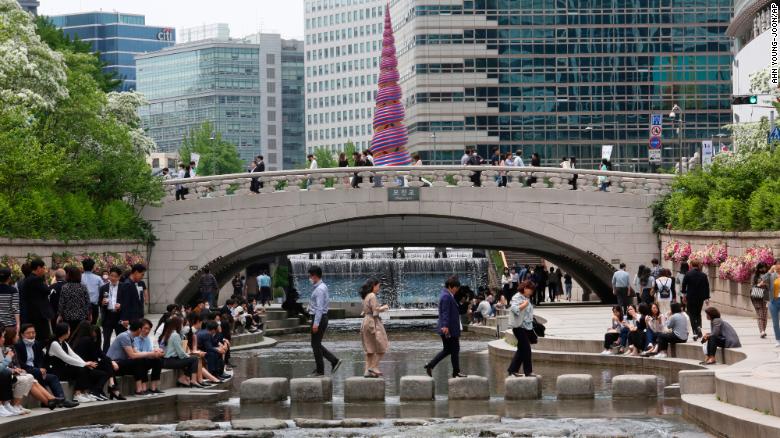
(759, 296)
(521, 318)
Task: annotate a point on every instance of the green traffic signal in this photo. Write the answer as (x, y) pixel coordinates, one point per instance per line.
(744, 100)
(753, 100)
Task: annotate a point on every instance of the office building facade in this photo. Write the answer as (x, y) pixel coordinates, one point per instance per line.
(30, 6)
(343, 43)
(752, 33)
(118, 38)
(562, 78)
(210, 80)
(281, 107)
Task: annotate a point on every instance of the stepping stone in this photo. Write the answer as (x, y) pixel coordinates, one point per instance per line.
(487, 419)
(312, 423)
(523, 388)
(357, 423)
(416, 388)
(265, 390)
(364, 389)
(258, 424)
(311, 389)
(196, 425)
(633, 385)
(469, 388)
(575, 386)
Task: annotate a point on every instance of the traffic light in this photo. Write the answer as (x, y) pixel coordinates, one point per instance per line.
(751, 99)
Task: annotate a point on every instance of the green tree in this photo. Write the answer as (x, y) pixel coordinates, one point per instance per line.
(325, 158)
(349, 150)
(217, 156)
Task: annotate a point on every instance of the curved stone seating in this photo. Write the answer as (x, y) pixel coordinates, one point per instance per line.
(417, 388)
(311, 389)
(633, 385)
(469, 388)
(575, 386)
(364, 389)
(265, 390)
(523, 388)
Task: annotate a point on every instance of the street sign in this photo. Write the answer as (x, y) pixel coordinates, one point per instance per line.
(774, 134)
(654, 150)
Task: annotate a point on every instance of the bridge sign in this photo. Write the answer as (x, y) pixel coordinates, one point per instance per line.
(403, 194)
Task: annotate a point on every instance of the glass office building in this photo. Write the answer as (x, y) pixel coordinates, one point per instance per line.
(293, 117)
(30, 6)
(118, 38)
(562, 77)
(210, 80)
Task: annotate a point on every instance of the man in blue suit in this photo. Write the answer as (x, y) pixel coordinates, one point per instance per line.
(449, 328)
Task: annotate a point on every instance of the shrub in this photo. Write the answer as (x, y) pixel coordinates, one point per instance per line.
(763, 208)
(725, 214)
(117, 220)
(685, 213)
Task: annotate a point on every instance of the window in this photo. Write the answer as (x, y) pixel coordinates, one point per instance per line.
(271, 101)
(270, 73)
(271, 87)
(271, 131)
(271, 116)
(272, 144)
(270, 58)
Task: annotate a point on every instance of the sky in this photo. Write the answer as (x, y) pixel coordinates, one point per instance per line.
(244, 16)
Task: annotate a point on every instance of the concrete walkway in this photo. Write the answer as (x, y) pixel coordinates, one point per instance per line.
(746, 401)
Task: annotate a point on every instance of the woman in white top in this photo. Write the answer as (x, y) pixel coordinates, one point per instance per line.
(64, 363)
(508, 161)
(644, 284)
(521, 318)
(506, 284)
(664, 290)
(656, 322)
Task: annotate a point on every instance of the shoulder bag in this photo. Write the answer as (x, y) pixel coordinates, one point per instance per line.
(758, 293)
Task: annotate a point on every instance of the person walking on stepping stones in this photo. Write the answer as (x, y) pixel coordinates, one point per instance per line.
(318, 308)
(449, 328)
(372, 331)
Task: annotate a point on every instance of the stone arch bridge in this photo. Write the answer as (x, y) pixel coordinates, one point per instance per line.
(224, 226)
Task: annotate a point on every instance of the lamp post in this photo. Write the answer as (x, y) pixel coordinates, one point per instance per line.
(433, 138)
(677, 114)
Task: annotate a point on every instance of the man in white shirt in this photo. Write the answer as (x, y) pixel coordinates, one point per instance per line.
(109, 304)
(312, 166)
(464, 160)
(519, 159)
(92, 282)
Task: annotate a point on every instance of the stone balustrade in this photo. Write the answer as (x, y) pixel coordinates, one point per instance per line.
(542, 178)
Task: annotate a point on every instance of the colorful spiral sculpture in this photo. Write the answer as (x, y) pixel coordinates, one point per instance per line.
(389, 141)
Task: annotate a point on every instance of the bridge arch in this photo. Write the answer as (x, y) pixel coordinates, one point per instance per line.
(582, 231)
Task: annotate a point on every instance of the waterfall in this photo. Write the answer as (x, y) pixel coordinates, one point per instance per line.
(411, 282)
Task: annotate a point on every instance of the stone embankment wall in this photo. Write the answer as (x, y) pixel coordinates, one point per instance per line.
(20, 248)
(729, 296)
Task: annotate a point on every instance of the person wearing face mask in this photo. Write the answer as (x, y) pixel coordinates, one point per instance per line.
(318, 308)
(32, 360)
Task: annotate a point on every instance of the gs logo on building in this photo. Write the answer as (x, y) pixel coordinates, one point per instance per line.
(165, 35)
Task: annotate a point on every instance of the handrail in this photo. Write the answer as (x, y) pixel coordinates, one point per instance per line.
(417, 170)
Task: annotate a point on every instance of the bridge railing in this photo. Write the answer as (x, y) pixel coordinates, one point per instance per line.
(488, 177)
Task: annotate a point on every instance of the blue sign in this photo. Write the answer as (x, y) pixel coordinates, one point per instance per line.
(656, 119)
(655, 142)
(774, 134)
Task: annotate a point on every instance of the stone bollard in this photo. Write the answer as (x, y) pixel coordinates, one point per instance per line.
(265, 390)
(633, 385)
(311, 389)
(469, 388)
(523, 388)
(364, 389)
(574, 386)
(415, 388)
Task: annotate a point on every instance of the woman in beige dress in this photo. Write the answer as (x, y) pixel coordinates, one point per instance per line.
(372, 330)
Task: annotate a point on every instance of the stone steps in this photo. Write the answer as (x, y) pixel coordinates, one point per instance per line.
(287, 330)
(281, 323)
(728, 419)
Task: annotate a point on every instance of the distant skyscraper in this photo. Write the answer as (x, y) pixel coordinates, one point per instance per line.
(210, 80)
(343, 44)
(562, 78)
(30, 6)
(220, 31)
(118, 37)
(281, 108)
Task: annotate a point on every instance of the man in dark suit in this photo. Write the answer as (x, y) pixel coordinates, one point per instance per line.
(449, 328)
(110, 306)
(36, 299)
(54, 293)
(696, 289)
(131, 296)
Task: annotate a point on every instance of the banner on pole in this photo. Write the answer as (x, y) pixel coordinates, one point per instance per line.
(194, 156)
(706, 152)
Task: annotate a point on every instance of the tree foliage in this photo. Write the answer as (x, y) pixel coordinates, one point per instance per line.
(217, 156)
(73, 158)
